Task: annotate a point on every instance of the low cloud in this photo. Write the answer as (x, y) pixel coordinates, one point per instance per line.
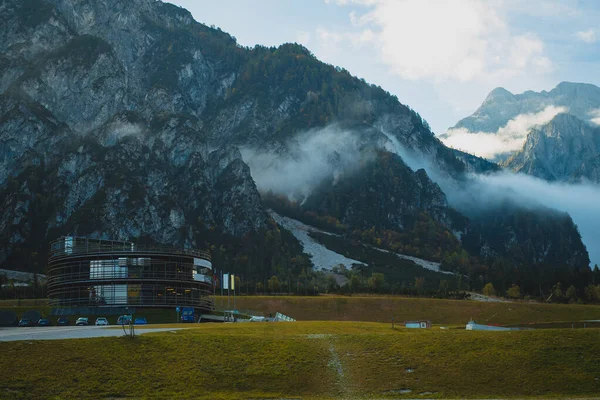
(507, 139)
(595, 114)
(297, 167)
(116, 131)
(588, 36)
(306, 160)
(579, 200)
(490, 191)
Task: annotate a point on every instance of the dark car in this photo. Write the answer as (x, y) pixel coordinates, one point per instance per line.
(81, 321)
(26, 322)
(140, 321)
(44, 322)
(63, 321)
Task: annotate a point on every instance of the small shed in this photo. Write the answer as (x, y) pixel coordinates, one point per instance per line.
(418, 324)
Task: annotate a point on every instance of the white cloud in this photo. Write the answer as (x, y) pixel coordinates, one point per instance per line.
(310, 158)
(595, 114)
(579, 200)
(507, 139)
(445, 40)
(487, 191)
(346, 2)
(545, 8)
(332, 41)
(588, 36)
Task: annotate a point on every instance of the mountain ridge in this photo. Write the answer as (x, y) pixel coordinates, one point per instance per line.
(500, 106)
(132, 129)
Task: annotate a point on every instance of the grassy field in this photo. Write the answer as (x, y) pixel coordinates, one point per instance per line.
(384, 308)
(376, 309)
(307, 360)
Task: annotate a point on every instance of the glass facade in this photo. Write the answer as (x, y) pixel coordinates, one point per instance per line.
(93, 272)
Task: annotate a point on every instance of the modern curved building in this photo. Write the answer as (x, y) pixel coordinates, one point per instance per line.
(86, 272)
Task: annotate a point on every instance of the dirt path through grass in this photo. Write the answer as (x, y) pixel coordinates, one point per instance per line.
(342, 380)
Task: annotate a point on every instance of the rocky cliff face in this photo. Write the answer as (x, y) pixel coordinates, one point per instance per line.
(131, 190)
(93, 143)
(566, 149)
(122, 119)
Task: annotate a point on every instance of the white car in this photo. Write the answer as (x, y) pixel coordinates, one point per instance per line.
(101, 321)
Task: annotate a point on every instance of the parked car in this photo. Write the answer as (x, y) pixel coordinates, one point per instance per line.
(63, 321)
(140, 321)
(26, 322)
(82, 321)
(124, 319)
(187, 314)
(44, 322)
(101, 321)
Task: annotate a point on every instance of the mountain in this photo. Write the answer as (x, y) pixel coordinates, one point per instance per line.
(500, 106)
(565, 149)
(126, 119)
(387, 194)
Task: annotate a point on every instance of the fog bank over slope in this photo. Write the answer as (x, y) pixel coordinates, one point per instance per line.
(579, 200)
(501, 124)
(506, 140)
(295, 168)
(481, 192)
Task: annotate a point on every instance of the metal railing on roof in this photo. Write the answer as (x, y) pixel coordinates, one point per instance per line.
(71, 245)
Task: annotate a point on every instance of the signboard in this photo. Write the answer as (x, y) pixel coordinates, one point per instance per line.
(232, 282)
(225, 281)
(133, 293)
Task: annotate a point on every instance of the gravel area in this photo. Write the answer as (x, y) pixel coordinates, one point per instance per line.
(321, 256)
(430, 265)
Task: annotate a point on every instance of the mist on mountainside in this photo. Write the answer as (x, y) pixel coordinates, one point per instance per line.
(501, 124)
(309, 158)
(483, 192)
(505, 141)
(566, 149)
(579, 200)
(314, 156)
(595, 114)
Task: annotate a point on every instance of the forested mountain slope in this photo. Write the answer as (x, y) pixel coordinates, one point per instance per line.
(126, 119)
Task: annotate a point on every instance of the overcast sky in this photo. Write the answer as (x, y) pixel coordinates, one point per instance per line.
(441, 57)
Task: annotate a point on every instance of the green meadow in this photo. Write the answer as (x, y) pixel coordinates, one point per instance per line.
(308, 360)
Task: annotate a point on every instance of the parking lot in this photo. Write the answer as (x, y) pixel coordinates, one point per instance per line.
(67, 332)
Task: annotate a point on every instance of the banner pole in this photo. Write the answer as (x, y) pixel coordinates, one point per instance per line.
(222, 305)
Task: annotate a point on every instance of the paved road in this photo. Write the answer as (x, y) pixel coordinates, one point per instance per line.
(67, 332)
